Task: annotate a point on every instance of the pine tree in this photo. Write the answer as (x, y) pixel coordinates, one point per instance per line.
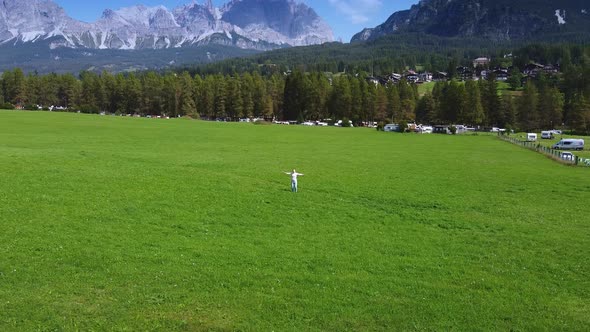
(69, 91)
(426, 109)
(32, 87)
(132, 96)
(152, 94)
(48, 90)
(453, 102)
(356, 100)
(296, 100)
(369, 102)
(171, 94)
(381, 104)
(509, 113)
(408, 110)
(2, 102)
(220, 97)
(276, 87)
(14, 86)
(341, 98)
(87, 96)
(580, 115)
(551, 104)
(258, 94)
(207, 102)
(19, 87)
(393, 103)
(515, 79)
(234, 98)
(247, 95)
(437, 96)
(197, 93)
(474, 109)
(108, 85)
(528, 117)
(491, 100)
(187, 99)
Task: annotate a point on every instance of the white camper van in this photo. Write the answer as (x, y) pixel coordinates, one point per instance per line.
(531, 137)
(391, 127)
(569, 144)
(547, 135)
(426, 130)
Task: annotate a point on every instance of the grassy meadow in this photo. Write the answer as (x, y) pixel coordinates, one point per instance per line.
(503, 88)
(115, 223)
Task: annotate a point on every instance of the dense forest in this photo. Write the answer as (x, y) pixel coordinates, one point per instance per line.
(543, 102)
(393, 53)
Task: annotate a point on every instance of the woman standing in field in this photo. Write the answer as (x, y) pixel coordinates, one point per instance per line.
(294, 176)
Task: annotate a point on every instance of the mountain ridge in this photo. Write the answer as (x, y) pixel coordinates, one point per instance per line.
(498, 20)
(143, 27)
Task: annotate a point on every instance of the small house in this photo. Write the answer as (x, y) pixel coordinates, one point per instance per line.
(464, 73)
(532, 69)
(550, 69)
(425, 77)
(412, 77)
(440, 76)
(502, 74)
(481, 62)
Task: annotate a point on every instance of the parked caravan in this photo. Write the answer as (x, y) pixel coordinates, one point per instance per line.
(546, 135)
(391, 127)
(531, 137)
(569, 144)
(461, 129)
(441, 130)
(426, 130)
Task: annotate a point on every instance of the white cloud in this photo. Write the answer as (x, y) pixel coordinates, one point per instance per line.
(357, 11)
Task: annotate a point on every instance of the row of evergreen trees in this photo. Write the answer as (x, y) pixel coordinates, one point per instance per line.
(543, 103)
(479, 103)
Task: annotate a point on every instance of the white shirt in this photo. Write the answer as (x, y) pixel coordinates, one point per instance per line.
(294, 176)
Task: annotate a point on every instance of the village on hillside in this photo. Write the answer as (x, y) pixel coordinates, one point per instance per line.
(480, 70)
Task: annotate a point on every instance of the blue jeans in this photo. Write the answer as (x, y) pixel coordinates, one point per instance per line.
(294, 186)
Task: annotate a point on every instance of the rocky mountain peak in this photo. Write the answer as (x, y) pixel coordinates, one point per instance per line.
(242, 23)
(491, 19)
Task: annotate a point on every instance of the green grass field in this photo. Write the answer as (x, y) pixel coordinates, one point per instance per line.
(425, 87)
(111, 223)
(503, 89)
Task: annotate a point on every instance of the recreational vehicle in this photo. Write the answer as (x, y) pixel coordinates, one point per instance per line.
(391, 127)
(569, 144)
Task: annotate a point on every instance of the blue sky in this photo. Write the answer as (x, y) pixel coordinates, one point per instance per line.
(346, 17)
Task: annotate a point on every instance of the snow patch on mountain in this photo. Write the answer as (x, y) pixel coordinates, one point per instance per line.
(31, 36)
(560, 18)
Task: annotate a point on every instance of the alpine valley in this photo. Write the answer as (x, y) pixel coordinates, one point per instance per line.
(433, 34)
